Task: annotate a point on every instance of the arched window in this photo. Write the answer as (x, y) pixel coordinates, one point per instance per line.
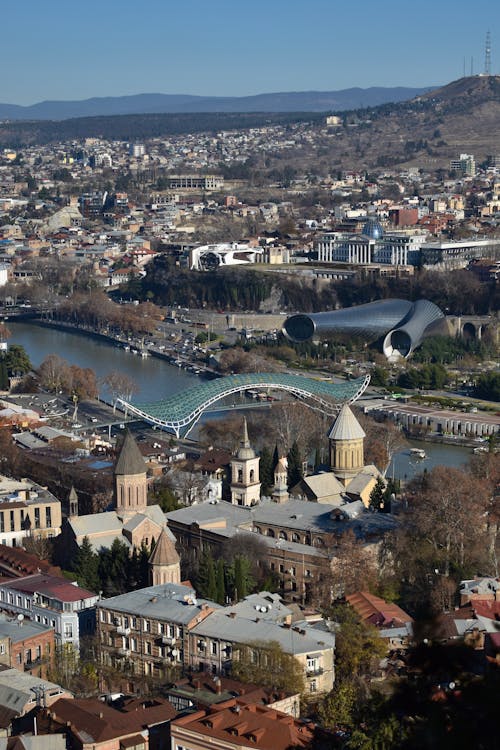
(295, 537)
(252, 474)
(270, 532)
(240, 476)
(282, 535)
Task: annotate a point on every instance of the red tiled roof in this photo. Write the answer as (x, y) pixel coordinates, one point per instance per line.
(53, 586)
(248, 725)
(380, 613)
(485, 608)
(101, 721)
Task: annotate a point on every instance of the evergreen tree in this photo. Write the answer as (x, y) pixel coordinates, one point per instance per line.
(377, 495)
(220, 582)
(205, 580)
(294, 465)
(266, 469)
(87, 567)
(4, 375)
(276, 456)
(241, 576)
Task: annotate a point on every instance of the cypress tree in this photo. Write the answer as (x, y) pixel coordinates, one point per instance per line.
(266, 469)
(294, 465)
(87, 567)
(220, 582)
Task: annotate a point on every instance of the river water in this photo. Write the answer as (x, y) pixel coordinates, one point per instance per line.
(157, 379)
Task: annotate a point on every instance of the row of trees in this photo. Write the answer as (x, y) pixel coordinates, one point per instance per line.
(113, 571)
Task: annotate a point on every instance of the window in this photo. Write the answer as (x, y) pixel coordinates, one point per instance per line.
(102, 616)
(19, 658)
(2, 648)
(313, 686)
(38, 652)
(48, 518)
(2, 524)
(19, 601)
(147, 647)
(68, 630)
(146, 626)
(214, 648)
(12, 521)
(37, 518)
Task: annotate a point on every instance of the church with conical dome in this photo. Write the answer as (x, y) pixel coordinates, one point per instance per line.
(349, 478)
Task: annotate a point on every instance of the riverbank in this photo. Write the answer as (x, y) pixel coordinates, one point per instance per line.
(135, 346)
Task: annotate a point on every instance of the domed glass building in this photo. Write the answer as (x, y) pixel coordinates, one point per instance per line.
(373, 229)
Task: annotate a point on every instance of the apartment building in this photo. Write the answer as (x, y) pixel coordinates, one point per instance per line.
(148, 629)
(53, 602)
(27, 509)
(26, 645)
(154, 629)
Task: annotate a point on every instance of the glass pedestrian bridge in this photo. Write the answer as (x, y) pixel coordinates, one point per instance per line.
(180, 412)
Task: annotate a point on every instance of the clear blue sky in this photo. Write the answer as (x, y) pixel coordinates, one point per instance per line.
(63, 49)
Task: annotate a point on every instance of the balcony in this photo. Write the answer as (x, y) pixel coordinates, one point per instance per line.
(314, 671)
(124, 652)
(33, 664)
(167, 640)
(121, 630)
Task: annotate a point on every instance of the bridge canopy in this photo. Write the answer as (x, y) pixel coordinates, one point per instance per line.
(181, 411)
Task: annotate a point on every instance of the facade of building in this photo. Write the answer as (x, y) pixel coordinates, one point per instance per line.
(148, 629)
(158, 628)
(27, 509)
(53, 602)
(196, 182)
(26, 645)
(394, 248)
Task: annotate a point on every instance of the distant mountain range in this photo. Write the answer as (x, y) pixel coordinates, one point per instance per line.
(293, 101)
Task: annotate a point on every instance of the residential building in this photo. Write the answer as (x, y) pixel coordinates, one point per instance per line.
(125, 724)
(53, 602)
(230, 631)
(27, 509)
(201, 690)
(233, 725)
(148, 629)
(26, 645)
(21, 692)
(465, 164)
(394, 625)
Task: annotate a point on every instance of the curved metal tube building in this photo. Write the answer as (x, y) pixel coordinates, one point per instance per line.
(403, 324)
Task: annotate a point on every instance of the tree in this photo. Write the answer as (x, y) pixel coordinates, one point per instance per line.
(54, 373)
(266, 471)
(220, 582)
(205, 580)
(241, 576)
(17, 361)
(377, 495)
(358, 646)
(86, 567)
(120, 385)
(295, 471)
(265, 663)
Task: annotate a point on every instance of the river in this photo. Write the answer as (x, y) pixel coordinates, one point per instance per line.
(155, 377)
(158, 379)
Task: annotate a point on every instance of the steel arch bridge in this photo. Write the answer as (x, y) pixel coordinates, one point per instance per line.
(180, 412)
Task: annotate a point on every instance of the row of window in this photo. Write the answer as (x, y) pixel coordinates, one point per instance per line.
(138, 623)
(8, 519)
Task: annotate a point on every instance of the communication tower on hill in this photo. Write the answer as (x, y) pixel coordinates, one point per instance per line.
(487, 55)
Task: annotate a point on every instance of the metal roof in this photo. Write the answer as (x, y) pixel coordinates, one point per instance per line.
(182, 410)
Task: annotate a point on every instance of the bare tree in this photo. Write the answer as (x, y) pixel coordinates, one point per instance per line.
(120, 385)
